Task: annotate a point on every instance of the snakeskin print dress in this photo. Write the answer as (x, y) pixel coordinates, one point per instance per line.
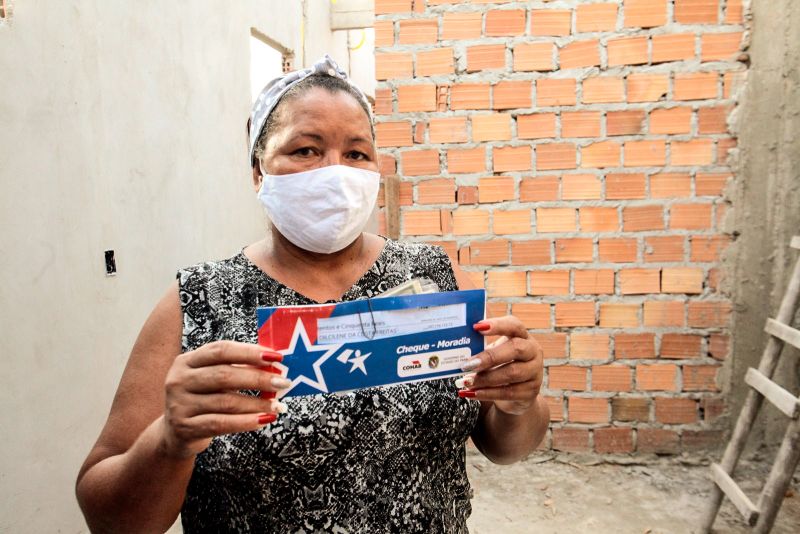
(376, 460)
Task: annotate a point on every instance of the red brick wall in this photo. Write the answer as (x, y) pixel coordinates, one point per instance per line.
(571, 156)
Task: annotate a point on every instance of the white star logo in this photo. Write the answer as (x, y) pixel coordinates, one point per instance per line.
(319, 379)
(357, 361)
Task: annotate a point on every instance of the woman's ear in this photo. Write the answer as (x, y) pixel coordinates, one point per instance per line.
(257, 177)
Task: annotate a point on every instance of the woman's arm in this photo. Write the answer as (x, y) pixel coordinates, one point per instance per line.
(167, 408)
(508, 374)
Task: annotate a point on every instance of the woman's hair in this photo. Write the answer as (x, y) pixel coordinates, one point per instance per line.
(332, 84)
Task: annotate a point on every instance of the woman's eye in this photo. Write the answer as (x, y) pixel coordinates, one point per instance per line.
(305, 151)
(360, 156)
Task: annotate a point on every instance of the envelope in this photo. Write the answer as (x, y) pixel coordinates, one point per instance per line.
(335, 348)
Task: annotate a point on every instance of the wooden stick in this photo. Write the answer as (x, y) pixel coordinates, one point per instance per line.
(779, 397)
(752, 403)
(391, 189)
(795, 243)
(784, 332)
(735, 494)
(779, 478)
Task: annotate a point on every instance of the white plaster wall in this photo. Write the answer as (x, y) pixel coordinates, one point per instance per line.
(122, 126)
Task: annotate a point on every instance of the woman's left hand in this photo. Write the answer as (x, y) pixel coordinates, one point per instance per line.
(509, 372)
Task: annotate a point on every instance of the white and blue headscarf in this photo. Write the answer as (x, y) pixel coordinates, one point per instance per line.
(274, 91)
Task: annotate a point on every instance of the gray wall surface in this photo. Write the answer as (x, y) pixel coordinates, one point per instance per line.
(122, 126)
(766, 200)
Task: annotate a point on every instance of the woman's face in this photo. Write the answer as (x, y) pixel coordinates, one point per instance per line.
(318, 129)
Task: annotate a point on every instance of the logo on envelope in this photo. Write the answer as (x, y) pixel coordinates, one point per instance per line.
(352, 345)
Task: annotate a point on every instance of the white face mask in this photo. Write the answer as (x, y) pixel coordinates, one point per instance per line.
(322, 210)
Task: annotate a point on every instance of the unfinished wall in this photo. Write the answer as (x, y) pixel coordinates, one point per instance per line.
(122, 126)
(572, 156)
(767, 199)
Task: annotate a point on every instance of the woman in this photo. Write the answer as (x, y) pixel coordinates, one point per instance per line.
(182, 438)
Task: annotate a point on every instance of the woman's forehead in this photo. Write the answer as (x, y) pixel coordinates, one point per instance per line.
(317, 108)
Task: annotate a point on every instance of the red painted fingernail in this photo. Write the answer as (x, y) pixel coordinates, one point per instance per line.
(265, 418)
(270, 356)
(481, 326)
(268, 394)
(466, 393)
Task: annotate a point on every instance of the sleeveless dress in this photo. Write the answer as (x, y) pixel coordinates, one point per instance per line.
(376, 460)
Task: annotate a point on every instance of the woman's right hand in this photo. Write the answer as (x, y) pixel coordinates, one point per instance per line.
(203, 400)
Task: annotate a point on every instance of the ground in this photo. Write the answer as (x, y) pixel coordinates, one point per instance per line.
(559, 493)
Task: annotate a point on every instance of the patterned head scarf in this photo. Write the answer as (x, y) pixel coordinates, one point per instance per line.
(274, 91)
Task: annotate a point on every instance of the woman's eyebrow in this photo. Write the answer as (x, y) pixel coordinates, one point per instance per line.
(359, 140)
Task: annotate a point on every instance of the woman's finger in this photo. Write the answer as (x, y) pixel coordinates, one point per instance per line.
(232, 403)
(508, 326)
(515, 349)
(512, 373)
(523, 391)
(230, 352)
(216, 424)
(217, 378)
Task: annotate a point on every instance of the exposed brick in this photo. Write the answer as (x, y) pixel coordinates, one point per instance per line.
(535, 252)
(466, 160)
(580, 124)
(575, 249)
(663, 248)
(493, 252)
(682, 280)
(420, 162)
(690, 216)
(394, 133)
(670, 185)
(505, 22)
(657, 377)
(593, 281)
(512, 94)
(512, 222)
(617, 250)
(392, 6)
(584, 410)
(393, 65)
(486, 57)
(587, 346)
(549, 282)
(712, 119)
(619, 315)
(695, 86)
(645, 153)
(532, 315)
(555, 92)
(621, 186)
(681, 346)
(603, 89)
(555, 220)
(418, 31)
(566, 377)
(511, 158)
(552, 156)
(645, 13)
(571, 439)
(615, 440)
(599, 219)
(629, 122)
(673, 47)
(579, 54)
(383, 101)
(700, 377)
(550, 22)
(495, 189)
(634, 346)
(647, 87)
(419, 222)
(627, 51)
(434, 62)
(447, 130)
(696, 11)
(575, 314)
(719, 46)
(538, 189)
(734, 12)
(469, 221)
(601, 154)
(459, 26)
(657, 440)
(556, 407)
(639, 281)
(709, 314)
(553, 345)
(581, 187)
(664, 313)
(702, 439)
(718, 345)
(708, 248)
(611, 378)
(506, 284)
(470, 96)
(384, 33)
(436, 191)
(676, 120)
(675, 411)
(630, 409)
(421, 97)
(533, 57)
(639, 218)
(694, 152)
(494, 127)
(596, 17)
(536, 126)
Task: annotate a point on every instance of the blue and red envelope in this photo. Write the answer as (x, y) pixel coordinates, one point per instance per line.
(331, 348)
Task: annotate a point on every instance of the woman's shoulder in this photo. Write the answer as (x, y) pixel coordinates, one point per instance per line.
(213, 268)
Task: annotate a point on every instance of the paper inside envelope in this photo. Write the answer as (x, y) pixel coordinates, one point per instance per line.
(381, 324)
